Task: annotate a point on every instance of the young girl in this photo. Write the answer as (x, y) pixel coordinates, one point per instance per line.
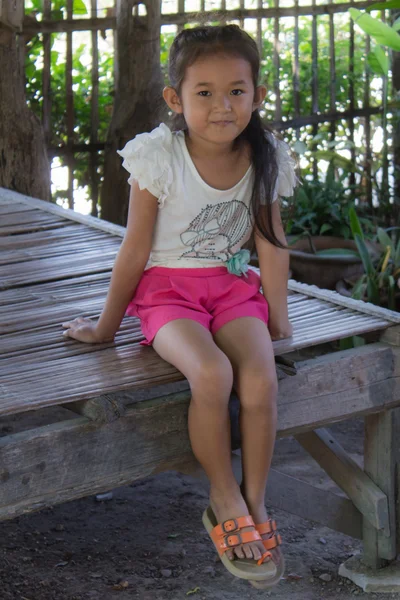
(198, 194)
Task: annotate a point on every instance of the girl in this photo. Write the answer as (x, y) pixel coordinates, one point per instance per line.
(198, 194)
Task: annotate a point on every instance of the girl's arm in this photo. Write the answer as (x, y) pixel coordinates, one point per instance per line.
(274, 267)
(127, 271)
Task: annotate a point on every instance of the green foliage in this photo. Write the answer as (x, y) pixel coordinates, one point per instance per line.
(321, 207)
(381, 279)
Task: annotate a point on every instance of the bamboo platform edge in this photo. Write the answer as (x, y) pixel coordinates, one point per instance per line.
(12, 196)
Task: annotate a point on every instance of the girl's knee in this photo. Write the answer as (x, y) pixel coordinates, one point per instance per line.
(259, 388)
(212, 379)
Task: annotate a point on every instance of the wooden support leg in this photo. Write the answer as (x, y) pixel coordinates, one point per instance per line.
(379, 465)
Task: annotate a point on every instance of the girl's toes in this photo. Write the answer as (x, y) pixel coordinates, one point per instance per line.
(248, 552)
(230, 555)
(256, 553)
(239, 552)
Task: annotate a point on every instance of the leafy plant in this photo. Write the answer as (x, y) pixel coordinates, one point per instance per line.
(321, 207)
(381, 279)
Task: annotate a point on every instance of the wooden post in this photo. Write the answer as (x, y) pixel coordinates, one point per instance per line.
(138, 105)
(379, 445)
(392, 337)
(24, 166)
(12, 14)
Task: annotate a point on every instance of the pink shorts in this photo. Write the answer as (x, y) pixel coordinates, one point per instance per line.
(210, 296)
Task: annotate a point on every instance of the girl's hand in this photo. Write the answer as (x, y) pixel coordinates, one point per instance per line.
(280, 331)
(84, 330)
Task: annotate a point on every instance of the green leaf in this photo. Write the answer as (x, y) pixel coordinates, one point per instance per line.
(365, 257)
(355, 224)
(396, 24)
(385, 240)
(79, 8)
(325, 227)
(359, 288)
(384, 6)
(373, 291)
(378, 61)
(380, 32)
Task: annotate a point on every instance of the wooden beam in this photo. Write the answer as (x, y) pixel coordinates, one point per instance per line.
(379, 465)
(349, 476)
(72, 459)
(105, 409)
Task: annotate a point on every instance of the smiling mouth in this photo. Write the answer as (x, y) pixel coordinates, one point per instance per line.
(222, 123)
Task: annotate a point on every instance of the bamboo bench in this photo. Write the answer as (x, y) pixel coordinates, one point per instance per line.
(86, 419)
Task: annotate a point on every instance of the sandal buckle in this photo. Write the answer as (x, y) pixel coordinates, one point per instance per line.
(229, 540)
(228, 521)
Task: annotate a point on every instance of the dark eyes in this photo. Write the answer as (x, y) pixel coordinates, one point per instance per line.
(205, 93)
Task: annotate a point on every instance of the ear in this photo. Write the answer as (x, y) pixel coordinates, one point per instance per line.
(259, 95)
(172, 99)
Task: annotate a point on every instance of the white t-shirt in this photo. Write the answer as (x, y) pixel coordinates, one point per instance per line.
(197, 225)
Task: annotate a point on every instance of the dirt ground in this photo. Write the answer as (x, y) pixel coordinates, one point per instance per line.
(148, 543)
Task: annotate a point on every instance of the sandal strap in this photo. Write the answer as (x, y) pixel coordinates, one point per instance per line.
(264, 557)
(232, 540)
(267, 527)
(231, 525)
(272, 542)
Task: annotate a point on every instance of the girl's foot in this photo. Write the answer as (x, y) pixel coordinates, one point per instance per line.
(231, 505)
(259, 514)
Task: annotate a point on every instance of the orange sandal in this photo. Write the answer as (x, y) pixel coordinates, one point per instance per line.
(272, 542)
(228, 535)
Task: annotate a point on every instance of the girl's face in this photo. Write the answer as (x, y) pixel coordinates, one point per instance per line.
(217, 98)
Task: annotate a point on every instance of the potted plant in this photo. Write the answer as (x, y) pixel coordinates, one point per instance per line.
(319, 233)
(380, 283)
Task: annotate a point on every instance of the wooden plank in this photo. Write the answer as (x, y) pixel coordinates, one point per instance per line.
(10, 196)
(379, 465)
(370, 500)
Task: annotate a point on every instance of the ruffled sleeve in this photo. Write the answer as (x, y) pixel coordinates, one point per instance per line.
(148, 159)
(287, 178)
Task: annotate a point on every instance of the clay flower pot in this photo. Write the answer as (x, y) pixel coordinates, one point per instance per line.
(325, 270)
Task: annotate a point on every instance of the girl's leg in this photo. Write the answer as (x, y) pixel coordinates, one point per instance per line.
(191, 349)
(247, 343)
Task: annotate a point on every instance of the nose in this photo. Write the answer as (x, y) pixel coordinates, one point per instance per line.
(222, 102)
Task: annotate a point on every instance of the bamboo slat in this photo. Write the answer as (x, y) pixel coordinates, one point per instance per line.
(14, 207)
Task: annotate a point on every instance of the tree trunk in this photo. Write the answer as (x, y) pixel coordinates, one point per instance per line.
(24, 165)
(138, 105)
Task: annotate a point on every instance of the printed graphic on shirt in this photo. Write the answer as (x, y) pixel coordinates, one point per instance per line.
(216, 230)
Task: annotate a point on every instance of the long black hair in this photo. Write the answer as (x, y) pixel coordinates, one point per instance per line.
(187, 47)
